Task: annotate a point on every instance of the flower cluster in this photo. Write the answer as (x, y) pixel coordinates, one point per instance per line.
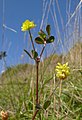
(27, 25)
(62, 70)
(4, 115)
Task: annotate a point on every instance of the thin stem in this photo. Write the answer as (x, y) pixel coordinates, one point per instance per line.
(37, 65)
(60, 90)
(31, 40)
(42, 51)
(37, 75)
(33, 95)
(35, 114)
(54, 94)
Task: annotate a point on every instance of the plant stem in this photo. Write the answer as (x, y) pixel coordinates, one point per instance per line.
(31, 40)
(60, 90)
(33, 95)
(42, 51)
(37, 101)
(35, 114)
(37, 75)
(37, 65)
(54, 94)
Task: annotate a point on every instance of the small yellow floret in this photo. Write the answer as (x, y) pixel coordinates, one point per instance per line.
(27, 25)
(62, 70)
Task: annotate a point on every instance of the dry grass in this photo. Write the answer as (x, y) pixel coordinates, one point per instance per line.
(17, 92)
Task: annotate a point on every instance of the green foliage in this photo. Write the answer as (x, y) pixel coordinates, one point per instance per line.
(27, 53)
(17, 92)
(34, 54)
(80, 70)
(43, 37)
(39, 40)
(50, 39)
(48, 29)
(46, 104)
(42, 34)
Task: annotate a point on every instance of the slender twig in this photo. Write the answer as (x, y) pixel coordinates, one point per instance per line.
(60, 90)
(37, 101)
(35, 114)
(42, 50)
(33, 95)
(54, 94)
(31, 40)
(37, 65)
(37, 60)
(37, 75)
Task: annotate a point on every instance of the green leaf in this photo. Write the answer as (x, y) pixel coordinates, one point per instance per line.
(42, 34)
(50, 39)
(39, 40)
(46, 104)
(48, 29)
(28, 53)
(34, 54)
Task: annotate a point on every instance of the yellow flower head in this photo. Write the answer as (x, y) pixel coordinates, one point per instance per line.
(62, 70)
(27, 25)
(4, 115)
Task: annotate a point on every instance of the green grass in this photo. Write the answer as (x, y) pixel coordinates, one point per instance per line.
(17, 92)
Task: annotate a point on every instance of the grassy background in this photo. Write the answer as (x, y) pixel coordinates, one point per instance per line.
(17, 89)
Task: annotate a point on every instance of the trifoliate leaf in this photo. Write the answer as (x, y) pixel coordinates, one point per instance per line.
(50, 39)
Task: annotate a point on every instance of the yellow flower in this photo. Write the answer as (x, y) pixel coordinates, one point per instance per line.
(62, 70)
(27, 25)
(4, 115)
